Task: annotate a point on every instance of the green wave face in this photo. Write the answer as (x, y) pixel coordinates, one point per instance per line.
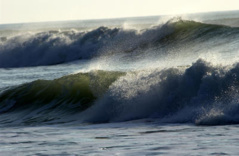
(188, 31)
(71, 93)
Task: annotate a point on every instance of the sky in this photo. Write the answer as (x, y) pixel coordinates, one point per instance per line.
(23, 11)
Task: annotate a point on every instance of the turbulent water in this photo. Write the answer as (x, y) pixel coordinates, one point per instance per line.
(150, 77)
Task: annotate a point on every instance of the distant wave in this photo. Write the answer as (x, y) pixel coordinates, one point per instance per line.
(202, 94)
(55, 47)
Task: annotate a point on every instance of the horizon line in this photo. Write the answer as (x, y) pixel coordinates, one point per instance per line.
(111, 18)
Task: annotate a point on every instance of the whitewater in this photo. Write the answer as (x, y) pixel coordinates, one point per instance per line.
(160, 85)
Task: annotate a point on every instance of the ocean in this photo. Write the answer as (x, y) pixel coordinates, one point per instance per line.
(159, 85)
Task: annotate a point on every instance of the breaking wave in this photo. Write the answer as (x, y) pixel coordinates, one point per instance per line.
(55, 47)
(203, 94)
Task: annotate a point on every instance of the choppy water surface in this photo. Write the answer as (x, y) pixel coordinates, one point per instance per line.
(120, 139)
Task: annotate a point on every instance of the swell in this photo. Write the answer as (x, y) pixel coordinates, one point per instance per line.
(55, 47)
(201, 94)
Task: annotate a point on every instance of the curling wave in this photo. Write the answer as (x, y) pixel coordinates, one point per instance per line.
(55, 47)
(202, 94)
(47, 100)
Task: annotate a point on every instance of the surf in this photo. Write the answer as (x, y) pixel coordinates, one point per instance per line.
(202, 94)
(178, 71)
(174, 37)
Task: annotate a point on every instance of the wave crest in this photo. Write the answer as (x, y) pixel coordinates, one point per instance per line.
(54, 47)
(201, 93)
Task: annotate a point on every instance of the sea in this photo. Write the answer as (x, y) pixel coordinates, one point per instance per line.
(158, 85)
